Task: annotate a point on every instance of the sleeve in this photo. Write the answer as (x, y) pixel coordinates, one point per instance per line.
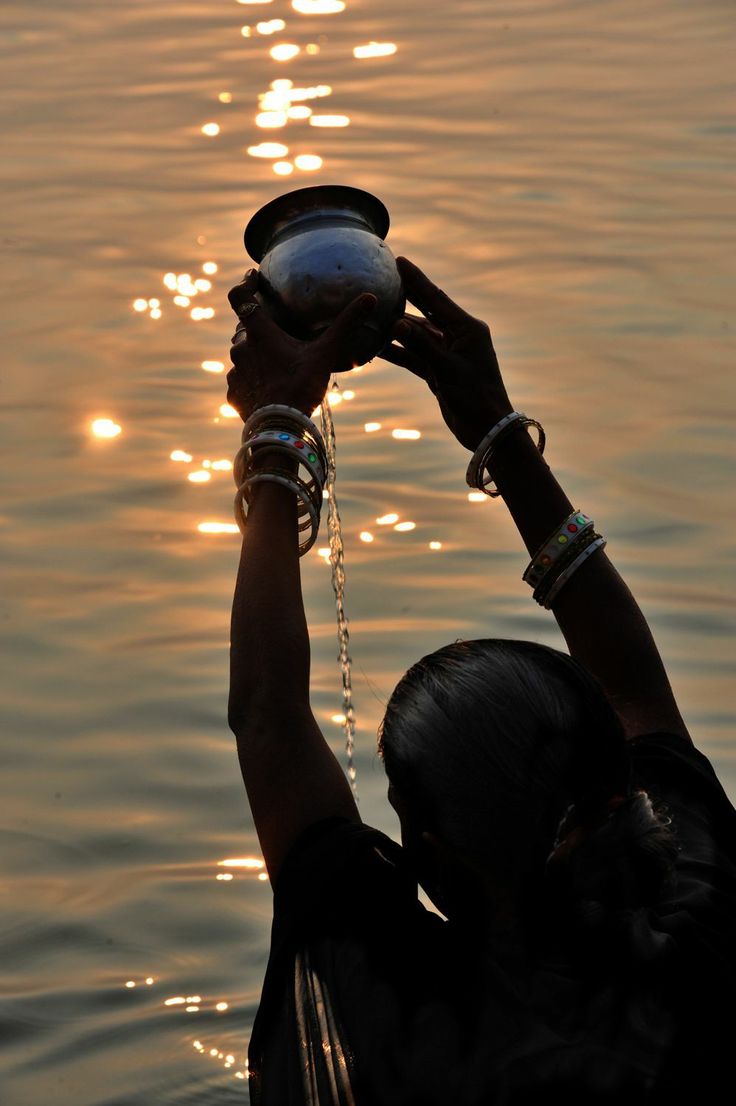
(344, 907)
(697, 918)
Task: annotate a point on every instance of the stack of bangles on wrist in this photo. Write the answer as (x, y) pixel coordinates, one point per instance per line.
(289, 431)
(567, 547)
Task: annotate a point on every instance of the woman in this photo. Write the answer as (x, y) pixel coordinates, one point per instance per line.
(553, 807)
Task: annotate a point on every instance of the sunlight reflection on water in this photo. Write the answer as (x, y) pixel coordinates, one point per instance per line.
(565, 178)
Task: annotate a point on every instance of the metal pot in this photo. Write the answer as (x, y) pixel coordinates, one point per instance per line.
(318, 249)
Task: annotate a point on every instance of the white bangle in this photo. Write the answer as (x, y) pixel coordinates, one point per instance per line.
(297, 486)
(483, 454)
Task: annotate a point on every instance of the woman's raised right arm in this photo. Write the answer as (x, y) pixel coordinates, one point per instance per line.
(601, 621)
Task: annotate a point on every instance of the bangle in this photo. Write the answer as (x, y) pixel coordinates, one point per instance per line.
(308, 505)
(279, 415)
(484, 453)
(565, 559)
(280, 440)
(555, 545)
(597, 543)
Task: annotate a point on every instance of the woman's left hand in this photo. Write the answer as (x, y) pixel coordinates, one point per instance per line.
(269, 366)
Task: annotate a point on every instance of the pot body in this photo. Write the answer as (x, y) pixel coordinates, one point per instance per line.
(318, 249)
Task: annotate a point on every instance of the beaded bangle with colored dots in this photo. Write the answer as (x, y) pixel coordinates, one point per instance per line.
(281, 442)
(541, 592)
(599, 543)
(307, 453)
(277, 416)
(554, 546)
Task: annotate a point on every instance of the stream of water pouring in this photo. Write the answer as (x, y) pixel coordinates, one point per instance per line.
(334, 528)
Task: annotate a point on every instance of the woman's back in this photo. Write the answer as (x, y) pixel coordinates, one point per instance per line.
(370, 998)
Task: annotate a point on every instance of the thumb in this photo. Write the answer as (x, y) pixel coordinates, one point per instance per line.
(338, 339)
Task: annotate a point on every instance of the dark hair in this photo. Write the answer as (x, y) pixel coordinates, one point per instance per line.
(491, 741)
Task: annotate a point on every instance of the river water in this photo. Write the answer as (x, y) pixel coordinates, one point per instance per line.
(565, 170)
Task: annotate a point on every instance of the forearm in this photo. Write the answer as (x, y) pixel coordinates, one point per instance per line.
(269, 640)
(599, 618)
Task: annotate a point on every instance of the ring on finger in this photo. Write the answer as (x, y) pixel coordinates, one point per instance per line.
(247, 309)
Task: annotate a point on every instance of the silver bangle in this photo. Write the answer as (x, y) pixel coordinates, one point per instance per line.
(564, 576)
(241, 514)
(274, 444)
(278, 413)
(484, 453)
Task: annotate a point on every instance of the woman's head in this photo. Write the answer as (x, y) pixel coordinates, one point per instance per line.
(487, 743)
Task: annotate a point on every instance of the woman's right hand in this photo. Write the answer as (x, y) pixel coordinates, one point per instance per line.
(452, 351)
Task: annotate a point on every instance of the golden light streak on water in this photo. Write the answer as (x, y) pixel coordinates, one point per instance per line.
(140, 305)
(375, 50)
(299, 111)
(222, 466)
(270, 26)
(271, 120)
(312, 48)
(283, 168)
(435, 545)
(308, 162)
(405, 526)
(105, 428)
(169, 280)
(324, 554)
(209, 267)
(254, 1)
(180, 455)
(225, 97)
(262, 876)
(477, 497)
(221, 1006)
(334, 399)
(150, 980)
(281, 84)
(202, 285)
(387, 520)
(285, 51)
(178, 1001)
(241, 862)
(348, 394)
(408, 435)
(198, 313)
(318, 7)
(224, 876)
(211, 129)
(182, 301)
(329, 121)
(371, 427)
(155, 313)
(366, 536)
(337, 718)
(130, 983)
(200, 476)
(269, 150)
(217, 528)
(246, 32)
(192, 1009)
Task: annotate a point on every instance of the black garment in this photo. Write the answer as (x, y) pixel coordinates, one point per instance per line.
(372, 1000)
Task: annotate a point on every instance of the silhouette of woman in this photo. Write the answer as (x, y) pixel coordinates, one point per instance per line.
(552, 806)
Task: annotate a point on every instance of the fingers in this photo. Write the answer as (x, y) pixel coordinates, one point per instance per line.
(253, 319)
(420, 338)
(430, 299)
(406, 360)
(338, 339)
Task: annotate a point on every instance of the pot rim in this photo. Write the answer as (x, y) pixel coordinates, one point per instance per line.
(278, 212)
